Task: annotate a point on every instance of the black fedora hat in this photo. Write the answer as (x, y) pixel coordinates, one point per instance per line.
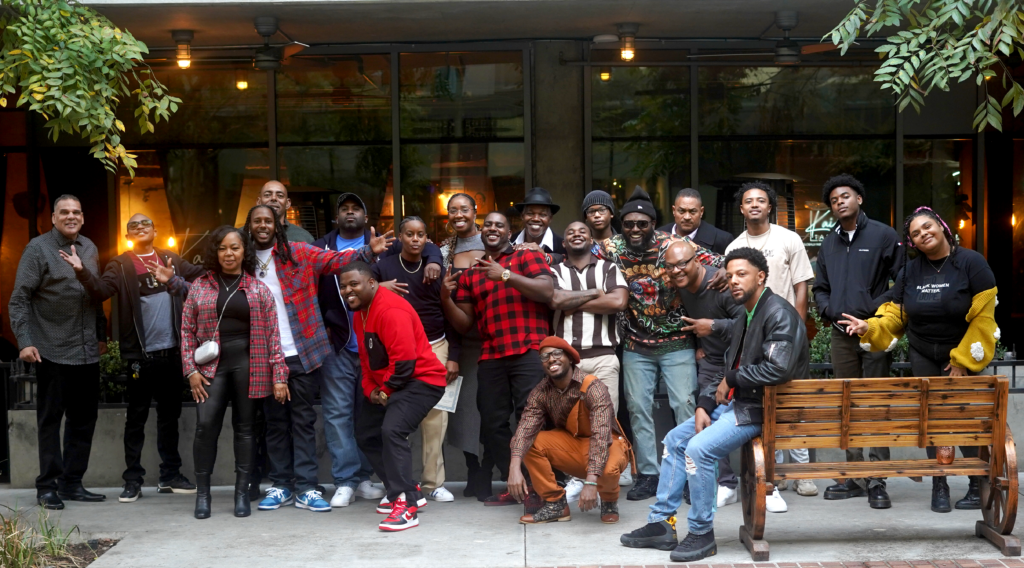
(538, 196)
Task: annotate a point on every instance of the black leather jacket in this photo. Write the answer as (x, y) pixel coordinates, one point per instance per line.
(774, 351)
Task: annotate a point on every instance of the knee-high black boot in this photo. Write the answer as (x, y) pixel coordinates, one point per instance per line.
(244, 449)
(242, 508)
(202, 495)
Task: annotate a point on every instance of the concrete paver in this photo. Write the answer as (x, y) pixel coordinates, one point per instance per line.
(158, 531)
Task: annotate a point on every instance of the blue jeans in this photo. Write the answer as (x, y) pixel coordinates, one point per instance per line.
(640, 375)
(703, 451)
(340, 394)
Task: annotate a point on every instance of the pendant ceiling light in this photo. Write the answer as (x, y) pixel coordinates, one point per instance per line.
(627, 35)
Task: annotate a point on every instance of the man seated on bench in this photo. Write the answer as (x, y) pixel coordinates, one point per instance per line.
(768, 347)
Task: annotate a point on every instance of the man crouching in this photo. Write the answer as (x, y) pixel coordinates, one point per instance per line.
(586, 440)
(768, 347)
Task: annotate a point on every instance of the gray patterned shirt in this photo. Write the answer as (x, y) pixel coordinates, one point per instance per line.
(49, 308)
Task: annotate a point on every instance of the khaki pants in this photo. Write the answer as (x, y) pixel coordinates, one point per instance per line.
(558, 449)
(606, 368)
(433, 429)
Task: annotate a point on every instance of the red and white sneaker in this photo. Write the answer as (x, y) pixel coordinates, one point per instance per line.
(402, 517)
(384, 507)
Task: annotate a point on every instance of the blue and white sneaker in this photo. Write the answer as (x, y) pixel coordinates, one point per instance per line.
(275, 498)
(314, 501)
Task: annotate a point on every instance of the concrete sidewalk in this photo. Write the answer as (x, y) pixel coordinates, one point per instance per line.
(159, 531)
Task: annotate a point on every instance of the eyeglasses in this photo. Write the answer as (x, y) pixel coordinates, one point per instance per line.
(556, 353)
(143, 223)
(642, 225)
(464, 211)
(598, 210)
(681, 265)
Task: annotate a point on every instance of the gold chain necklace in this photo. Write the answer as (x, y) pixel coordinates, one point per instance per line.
(264, 266)
(418, 266)
(768, 236)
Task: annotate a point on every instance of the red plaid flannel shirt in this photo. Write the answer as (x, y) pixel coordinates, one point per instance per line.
(299, 285)
(199, 324)
(509, 322)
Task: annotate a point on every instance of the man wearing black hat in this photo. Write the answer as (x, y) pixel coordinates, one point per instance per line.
(655, 342)
(537, 210)
(598, 212)
(855, 262)
(340, 373)
(688, 212)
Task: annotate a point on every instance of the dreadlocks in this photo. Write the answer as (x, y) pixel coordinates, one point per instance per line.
(284, 250)
(908, 244)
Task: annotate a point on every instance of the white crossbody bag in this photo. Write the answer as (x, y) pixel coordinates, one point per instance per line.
(210, 350)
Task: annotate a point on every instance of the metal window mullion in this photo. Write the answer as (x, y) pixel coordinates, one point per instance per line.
(275, 170)
(396, 134)
(588, 127)
(694, 124)
(528, 116)
(897, 212)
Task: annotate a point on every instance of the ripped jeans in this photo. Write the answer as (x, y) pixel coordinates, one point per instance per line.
(678, 372)
(696, 456)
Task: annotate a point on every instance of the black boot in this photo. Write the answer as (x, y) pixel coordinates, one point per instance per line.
(242, 494)
(202, 495)
(472, 467)
(973, 498)
(940, 495)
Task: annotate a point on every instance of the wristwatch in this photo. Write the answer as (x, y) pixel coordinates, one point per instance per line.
(506, 275)
(712, 325)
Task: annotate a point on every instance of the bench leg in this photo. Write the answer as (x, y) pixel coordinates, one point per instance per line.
(1008, 544)
(758, 548)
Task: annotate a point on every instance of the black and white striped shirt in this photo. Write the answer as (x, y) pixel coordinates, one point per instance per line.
(592, 335)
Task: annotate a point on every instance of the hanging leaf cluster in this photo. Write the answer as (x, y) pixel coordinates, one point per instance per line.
(74, 67)
(940, 42)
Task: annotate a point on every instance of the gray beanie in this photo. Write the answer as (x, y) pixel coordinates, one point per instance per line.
(598, 197)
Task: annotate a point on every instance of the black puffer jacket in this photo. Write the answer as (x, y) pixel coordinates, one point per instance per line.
(775, 351)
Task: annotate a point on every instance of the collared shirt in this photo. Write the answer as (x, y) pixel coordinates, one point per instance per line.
(547, 404)
(691, 236)
(591, 335)
(547, 241)
(50, 309)
(653, 322)
(509, 323)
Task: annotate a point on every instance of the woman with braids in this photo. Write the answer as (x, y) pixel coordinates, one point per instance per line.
(460, 251)
(230, 307)
(944, 300)
(292, 271)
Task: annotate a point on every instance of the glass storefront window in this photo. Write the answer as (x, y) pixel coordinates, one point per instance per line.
(640, 101)
(797, 170)
(940, 175)
(660, 167)
(1017, 219)
(334, 99)
(212, 111)
(462, 95)
(493, 173)
(189, 192)
(793, 100)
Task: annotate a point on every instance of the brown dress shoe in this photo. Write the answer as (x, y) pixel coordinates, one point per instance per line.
(551, 512)
(609, 512)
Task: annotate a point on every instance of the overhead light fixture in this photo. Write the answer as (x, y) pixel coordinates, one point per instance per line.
(241, 79)
(606, 74)
(170, 242)
(183, 39)
(962, 223)
(627, 33)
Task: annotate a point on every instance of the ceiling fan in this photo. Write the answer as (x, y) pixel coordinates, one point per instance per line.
(786, 51)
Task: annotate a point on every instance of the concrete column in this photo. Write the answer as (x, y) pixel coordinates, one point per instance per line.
(558, 127)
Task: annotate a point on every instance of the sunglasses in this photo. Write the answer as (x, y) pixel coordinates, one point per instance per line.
(642, 225)
(681, 265)
(556, 353)
(136, 224)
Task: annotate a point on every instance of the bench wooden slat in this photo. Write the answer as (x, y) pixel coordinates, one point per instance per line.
(898, 468)
(792, 430)
(844, 429)
(895, 440)
(922, 420)
(961, 397)
(862, 414)
(810, 386)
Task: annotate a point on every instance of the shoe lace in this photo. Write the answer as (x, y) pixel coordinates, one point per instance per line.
(398, 508)
(275, 493)
(313, 495)
(690, 540)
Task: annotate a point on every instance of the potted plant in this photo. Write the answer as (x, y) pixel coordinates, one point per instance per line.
(113, 373)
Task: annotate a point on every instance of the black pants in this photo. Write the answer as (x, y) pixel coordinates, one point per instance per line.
(291, 431)
(71, 391)
(230, 384)
(931, 361)
(502, 388)
(382, 433)
(159, 378)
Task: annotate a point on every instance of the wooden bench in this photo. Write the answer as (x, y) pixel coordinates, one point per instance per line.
(886, 412)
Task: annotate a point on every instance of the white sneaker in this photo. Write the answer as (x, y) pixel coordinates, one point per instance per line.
(343, 497)
(626, 477)
(775, 503)
(441, 494)
(573, 489)
(366, 490)
(806, 487)
(728, 496)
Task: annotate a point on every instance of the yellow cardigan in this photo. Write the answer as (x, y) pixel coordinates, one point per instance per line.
(976, 349)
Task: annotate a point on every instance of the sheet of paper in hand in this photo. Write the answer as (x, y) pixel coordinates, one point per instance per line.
(451, 396)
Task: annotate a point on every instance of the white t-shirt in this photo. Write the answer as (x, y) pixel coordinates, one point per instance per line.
(287, 341)
(788, 263)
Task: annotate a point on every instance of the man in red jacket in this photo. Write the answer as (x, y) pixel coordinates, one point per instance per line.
(403, 380)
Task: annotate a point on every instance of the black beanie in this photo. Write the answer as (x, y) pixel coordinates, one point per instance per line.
(639, 202)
